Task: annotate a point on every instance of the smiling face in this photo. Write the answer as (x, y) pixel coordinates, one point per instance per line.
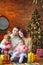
(21, 34)
(21, 42)
(15, 31)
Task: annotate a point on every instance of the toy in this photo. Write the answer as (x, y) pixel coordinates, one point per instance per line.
(35, 1)
(39, 52)
(7, 42)
(1, 57)
(6, 58)
(31, 57)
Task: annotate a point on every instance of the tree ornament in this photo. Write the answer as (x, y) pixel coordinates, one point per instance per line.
(37, 22)
(31, 28)
(34, 28)
(32, 24)
(39, 36)
(38, 32)
(34, 40)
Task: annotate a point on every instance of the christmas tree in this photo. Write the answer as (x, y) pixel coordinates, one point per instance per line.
(35, 28)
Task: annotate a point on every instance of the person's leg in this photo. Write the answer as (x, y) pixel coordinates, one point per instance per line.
(13, 56)
(0, 50)
(1, 47)
(21, 57)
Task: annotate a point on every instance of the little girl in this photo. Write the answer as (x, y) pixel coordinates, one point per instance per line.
(6, 43)
(19, 51)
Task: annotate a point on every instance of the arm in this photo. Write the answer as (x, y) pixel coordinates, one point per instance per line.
(25, 49)
(30, 44)
(2, 43)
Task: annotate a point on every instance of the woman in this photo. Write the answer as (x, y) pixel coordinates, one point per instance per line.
(27, 39)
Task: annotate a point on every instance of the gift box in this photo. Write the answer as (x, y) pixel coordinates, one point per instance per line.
(39, 52)
(31, 57)
(6, 59)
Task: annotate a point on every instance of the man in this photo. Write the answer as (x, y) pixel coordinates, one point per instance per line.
(15, 36)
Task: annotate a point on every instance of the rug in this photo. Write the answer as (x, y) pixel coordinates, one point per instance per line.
(26, 64)
(23, 64)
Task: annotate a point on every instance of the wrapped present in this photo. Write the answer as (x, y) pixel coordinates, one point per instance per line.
(6, 59)
(39, 52)
(0, 61)
(31, 57)
(1, 58)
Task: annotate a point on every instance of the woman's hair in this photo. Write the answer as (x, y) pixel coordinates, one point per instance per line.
(24, 32)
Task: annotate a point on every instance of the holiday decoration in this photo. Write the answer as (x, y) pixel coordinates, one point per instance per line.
(31, 57)
(34, 1)
(39, 52)
(1, 60)
(35, 28)
(6, 59)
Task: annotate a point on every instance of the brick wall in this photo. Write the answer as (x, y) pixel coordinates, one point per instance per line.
(18, 12)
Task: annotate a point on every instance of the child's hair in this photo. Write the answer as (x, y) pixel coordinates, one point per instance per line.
(7, 37)
(23, 41)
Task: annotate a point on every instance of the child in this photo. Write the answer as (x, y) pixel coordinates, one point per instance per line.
(6, 44)
(20, 51)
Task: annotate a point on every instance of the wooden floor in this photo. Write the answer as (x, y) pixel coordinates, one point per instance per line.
(39, 60)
